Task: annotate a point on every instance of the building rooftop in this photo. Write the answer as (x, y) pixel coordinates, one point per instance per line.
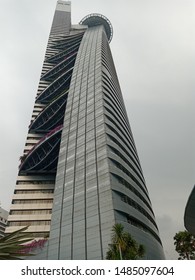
(98, 19)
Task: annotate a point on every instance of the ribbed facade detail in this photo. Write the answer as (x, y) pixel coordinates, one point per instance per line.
(33, 196)
(80, 172)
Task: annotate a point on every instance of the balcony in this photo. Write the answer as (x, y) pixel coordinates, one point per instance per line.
(52, 116)
(57, 58)
(43, 157)
(67, 41)
(57, 87)
(60, 68)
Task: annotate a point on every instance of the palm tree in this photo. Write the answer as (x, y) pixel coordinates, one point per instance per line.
(12, 245)
(118, 241)
(123, 245)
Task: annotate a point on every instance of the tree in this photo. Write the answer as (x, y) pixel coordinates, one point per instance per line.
(12, 245)
(123, 245)
(185, 245)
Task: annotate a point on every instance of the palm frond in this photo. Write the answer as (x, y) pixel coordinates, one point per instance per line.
(12, 244)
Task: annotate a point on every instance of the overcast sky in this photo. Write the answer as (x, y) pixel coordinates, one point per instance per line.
(153, 48)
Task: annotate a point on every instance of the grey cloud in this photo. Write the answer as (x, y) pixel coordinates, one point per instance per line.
(153, 49)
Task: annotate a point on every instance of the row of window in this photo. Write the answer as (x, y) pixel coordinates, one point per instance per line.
(132, 147)
(32, 201)
(32, 191)
(29, 223)
(38, 106)
(136, 206)
(122, 168)
(142, 226)
(115, 94)
(34, 138)
(115, 97)
(35, 182)
(31, 212)
(126, 144)
(127, 185)
(107, 60)
(116, 152)
(114, 140)
(107, 89)
(118, 116)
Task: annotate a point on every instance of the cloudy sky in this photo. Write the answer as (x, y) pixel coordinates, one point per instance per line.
(154, 52)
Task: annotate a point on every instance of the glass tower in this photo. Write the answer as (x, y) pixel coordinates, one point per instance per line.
(80, 172)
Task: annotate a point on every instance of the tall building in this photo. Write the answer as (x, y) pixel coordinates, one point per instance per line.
(3, 221)
(80, 172)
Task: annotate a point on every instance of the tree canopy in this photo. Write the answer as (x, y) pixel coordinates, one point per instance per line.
(185, 245)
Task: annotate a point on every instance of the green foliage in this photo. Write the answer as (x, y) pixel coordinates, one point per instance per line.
(124, 246)
(11, 245)
(185, 245)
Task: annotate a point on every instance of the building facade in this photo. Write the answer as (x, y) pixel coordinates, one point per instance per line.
(3, 221)
(189, 214)
(80, 172)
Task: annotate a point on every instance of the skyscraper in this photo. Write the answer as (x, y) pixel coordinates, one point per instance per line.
(80, 172)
